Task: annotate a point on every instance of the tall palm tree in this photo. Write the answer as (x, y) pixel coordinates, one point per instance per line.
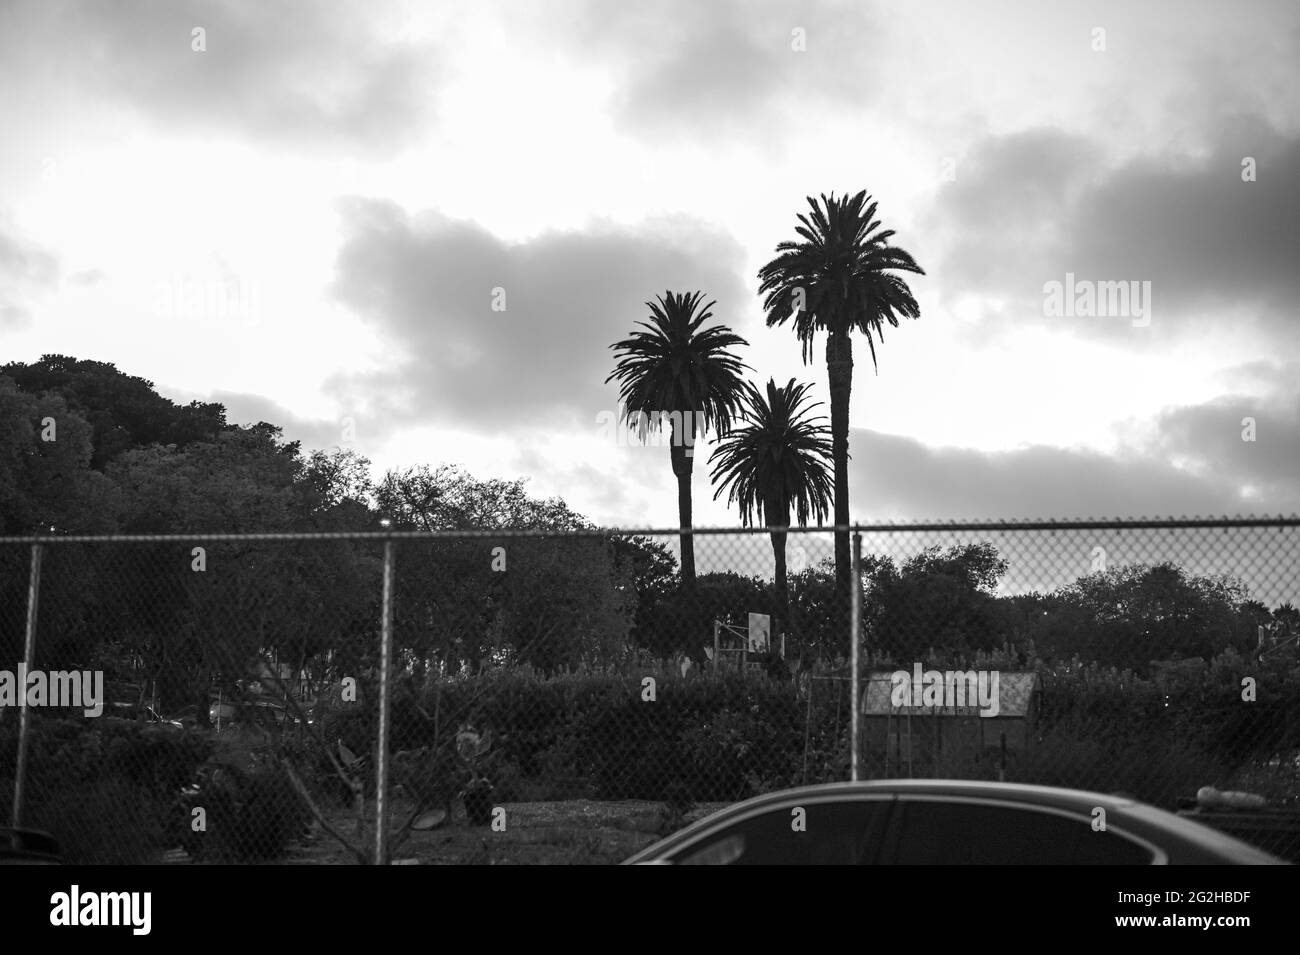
(679, 370)
(839, 278)
(779, 459)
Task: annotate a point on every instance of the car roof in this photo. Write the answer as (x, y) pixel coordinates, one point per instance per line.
(1199, 842)
(1057, 796)
(974, 787)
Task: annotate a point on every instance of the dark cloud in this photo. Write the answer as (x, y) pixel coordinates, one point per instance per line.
(1205, 238)
(1272, 377)
(1016, 187)
(895, 476)
(25, 269)
(426, 285)
(12, 315)
(898, 477)
(1215, 438)
(290, 71)
(246, 409)
(610, 495)
(730, 67)
(1028, 208)
(1256, 72)
(21, 261)
(243, 408)
(1019, 181)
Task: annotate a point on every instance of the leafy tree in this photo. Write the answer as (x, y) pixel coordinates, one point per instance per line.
(976, 566)
(241, 482)
(189, 625)
(331, 479)
(123, 410)
(48, 488)
(449, 498)
(679, 369)
(465, 601)
(651, 570)
(839, 277)
(562, 604)
(684, 621)
(1132, 615)
(48, 484)
(814, 615)
(939, 599)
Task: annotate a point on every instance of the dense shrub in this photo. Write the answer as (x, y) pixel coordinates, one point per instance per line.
(106, 789)
(109, 789)
(250, 816)
(104, 822)
(593, 735)
(1070, 755)
(726, 736)
(271, 818)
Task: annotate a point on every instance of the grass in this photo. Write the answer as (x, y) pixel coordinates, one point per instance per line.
(573, 832)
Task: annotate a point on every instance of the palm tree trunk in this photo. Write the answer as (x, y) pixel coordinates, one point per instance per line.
(839, 371)
(682, 466)
(782, 616)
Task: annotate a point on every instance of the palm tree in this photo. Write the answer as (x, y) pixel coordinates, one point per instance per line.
(839, 279)
(678, 370)
(779, 459)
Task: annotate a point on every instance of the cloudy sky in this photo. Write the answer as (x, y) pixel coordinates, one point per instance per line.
(302, 210)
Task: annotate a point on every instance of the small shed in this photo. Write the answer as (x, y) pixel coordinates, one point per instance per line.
(907, 732)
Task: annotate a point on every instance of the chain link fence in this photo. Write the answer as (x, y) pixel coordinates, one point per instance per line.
(529, 696)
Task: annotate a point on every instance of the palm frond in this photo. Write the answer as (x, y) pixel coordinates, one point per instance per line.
(777, 460)
(844, 267)
(675, 365)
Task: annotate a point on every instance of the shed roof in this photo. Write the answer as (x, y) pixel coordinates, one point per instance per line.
(1015, 691)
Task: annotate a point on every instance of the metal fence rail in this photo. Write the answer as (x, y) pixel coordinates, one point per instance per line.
(402, 694)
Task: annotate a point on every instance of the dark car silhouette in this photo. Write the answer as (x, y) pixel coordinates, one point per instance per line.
(946, 822)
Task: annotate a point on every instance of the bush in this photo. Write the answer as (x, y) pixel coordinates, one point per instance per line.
(591, 734)
(110, 822)
(107, 789)
(1073, 755)
(273, 817)
(250, 816)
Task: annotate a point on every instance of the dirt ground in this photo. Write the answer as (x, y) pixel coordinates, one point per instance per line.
(537, 833)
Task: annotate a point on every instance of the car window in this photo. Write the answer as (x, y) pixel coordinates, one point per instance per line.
(934, 832)
(824, 833)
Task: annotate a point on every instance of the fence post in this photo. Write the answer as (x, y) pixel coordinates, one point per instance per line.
(385, 678)
(855, 617)
(24, 712)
